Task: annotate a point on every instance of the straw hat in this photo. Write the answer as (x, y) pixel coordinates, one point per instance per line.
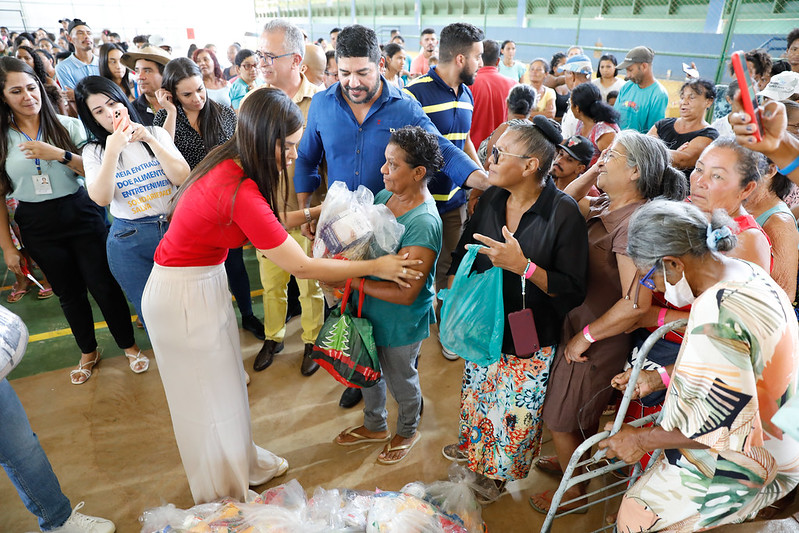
(150, 53)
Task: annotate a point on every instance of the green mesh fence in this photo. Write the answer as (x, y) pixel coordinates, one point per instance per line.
(705, 32)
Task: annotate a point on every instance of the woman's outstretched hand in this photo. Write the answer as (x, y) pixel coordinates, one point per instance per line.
(397, 268)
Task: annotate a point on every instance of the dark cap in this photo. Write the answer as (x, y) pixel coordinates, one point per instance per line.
(64, 20)
(549, 128)
(639, 54)
(579, 148)
(75, 23)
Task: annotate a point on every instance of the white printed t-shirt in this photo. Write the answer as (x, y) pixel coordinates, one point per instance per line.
(141, 188)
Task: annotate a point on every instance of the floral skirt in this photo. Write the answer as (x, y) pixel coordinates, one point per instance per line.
(501, 407)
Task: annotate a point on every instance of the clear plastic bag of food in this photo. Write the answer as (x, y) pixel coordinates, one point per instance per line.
(352, 227)
(290, 495)
(401, 513)
(456, 499)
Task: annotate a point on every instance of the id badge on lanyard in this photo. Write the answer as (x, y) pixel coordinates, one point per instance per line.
(41, 182)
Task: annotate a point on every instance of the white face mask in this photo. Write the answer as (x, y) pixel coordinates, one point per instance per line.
(678, 295)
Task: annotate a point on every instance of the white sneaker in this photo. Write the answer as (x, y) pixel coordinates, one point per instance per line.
(81, 523)
(452, 356)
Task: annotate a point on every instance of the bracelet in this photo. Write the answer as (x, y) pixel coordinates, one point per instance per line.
(587, 334)
(790, 168)
(529, 269)
(307, 213)
(662, 316)
(664, 376)
(67, 157)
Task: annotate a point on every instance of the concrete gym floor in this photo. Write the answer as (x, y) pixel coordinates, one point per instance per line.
(111, 443)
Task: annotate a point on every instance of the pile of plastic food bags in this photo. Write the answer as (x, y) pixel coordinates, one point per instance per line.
(440, 507)
(352, 227)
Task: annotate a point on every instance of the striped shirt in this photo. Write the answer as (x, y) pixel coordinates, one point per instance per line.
(452, 115)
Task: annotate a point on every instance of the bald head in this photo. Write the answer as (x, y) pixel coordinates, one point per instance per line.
(314, 63)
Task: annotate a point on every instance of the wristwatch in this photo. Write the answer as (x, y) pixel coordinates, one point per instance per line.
(67, 157)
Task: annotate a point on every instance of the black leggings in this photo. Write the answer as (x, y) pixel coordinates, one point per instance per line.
(239, 280)
(66, 237)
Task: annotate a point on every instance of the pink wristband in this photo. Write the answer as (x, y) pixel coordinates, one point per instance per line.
(587, 334)
(662, 316)
(529, 269)
(664, 376)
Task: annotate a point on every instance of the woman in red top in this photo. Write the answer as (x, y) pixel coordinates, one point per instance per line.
(227, 200)
(725, 175)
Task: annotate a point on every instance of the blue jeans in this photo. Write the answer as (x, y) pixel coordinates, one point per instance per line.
(26, 464)
(398, 365)
(131, 247)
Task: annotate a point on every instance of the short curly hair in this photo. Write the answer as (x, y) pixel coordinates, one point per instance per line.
(421, 148)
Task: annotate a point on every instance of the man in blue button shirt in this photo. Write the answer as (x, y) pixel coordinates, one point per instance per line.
(447, 100)
(350, 123)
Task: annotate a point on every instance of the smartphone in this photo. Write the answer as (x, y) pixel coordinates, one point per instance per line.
(690, 71)
(524, 333)
(121, 117)
(748, 93)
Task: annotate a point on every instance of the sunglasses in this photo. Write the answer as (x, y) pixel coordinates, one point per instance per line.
(495, 152)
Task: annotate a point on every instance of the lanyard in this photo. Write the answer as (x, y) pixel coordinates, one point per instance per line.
(524, 293)
(37, 161)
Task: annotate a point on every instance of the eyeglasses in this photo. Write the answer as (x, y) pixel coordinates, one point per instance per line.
(647, 280)
(333, 73)
(249, 66)
(269, 59)
(606, 154)
(495, 152)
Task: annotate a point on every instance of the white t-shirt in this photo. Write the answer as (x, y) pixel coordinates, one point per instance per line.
(617, 85)
(141, 188)
(723, 126)
(568, 124)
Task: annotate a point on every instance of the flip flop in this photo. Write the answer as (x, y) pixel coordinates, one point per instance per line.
(45, 293)
(16, 294)
(359, 439)
(549, 464)
(407, 447)
(548, 494)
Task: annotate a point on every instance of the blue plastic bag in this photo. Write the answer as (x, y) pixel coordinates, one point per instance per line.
(473, 313)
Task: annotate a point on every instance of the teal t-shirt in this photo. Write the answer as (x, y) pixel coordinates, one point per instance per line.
(63, 181)
(514, 72)
(641, 108)
(398, 325)
(239, 89)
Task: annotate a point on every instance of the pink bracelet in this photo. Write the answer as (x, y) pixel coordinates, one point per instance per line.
(664, 376)
(662, 316)
(587, 334)
(529, 269)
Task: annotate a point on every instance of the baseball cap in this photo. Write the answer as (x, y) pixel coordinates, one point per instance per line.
(150, 53)
(639, 54)
(579, 148)
(580, 64)
(782, 86)
(64, 20)
(74, 23)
